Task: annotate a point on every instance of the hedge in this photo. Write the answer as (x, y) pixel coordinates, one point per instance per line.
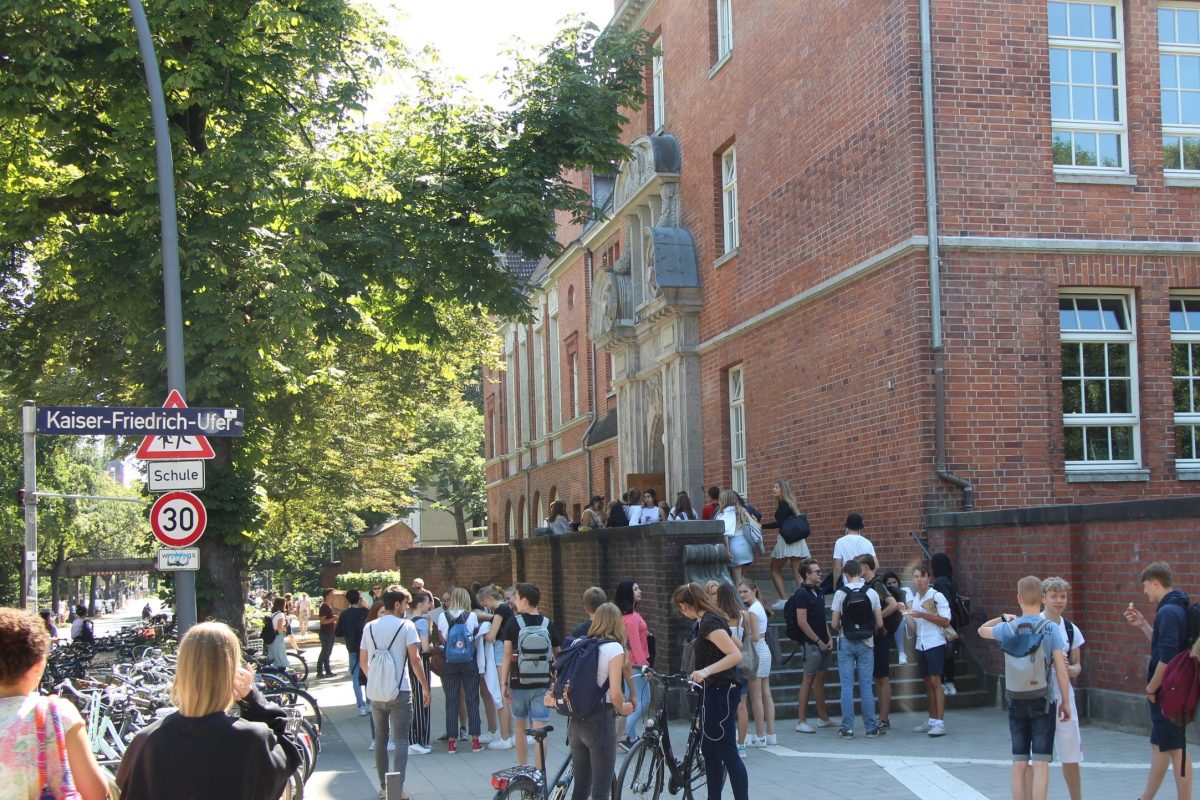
(365, 580)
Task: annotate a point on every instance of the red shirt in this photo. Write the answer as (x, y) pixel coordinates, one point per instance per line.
(708, 511)
(637, 632)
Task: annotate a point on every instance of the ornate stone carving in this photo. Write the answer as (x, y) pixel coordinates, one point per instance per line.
(669, 217)
(654, 395)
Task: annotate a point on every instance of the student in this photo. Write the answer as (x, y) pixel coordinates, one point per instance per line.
(618, 517)
(558, 521)
(683, 509)
(760, 682)
(493, 603)
(734, 516)
(857, 618)
(1168, 637)
(944, 582)
(931, 610)
(632, 505)
(593, 740)
(593, 515)
(593, 598)
(350, 627)
(277, 649)
(883, 640)
(904, 597)
(648, 512)
(419, 729)
(785, 554)
(530, 644)
(1068, 744)
(741, 625)
(326, 634)
(711, 508)
(460, 678)
(1031, 720)
(850, 545)
(637, 639)
(810, 616)
(717, 658)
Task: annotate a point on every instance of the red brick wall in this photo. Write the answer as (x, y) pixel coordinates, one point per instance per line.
(443, 567)
(378, 553)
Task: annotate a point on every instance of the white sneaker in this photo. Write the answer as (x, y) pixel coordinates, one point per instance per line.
(923, 727)
(372, 745)
(742, 751)
(903, 659)
(488, 736)
(825, 723)
(756, 741)
(362, 711)
(804, 727)
(778, 604)
(769, 740)
(938, 728)
(501, 744)
(391, 747)
(949, 689)
(419, 750)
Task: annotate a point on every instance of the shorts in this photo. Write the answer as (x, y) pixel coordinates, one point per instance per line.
(527, 704)
(883, 656)
(1031, 728)
(1164, 733)
(816, 660)
(932, 661)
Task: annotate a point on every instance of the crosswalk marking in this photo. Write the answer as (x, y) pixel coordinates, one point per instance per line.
(927, 780)
(787, 752)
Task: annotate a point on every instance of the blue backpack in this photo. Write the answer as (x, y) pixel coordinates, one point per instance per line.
(460, 645)
(575, 691)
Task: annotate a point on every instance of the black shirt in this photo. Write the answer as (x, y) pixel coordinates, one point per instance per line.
(782, 512)
(708, 653)
(812, 602)
(509, 634)
(350, 626)
(503, 614)
(215, 757)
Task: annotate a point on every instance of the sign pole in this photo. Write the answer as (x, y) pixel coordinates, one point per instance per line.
(29, 445)
(185, 582)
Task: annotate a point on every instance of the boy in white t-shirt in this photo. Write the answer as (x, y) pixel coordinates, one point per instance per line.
(1068, 746)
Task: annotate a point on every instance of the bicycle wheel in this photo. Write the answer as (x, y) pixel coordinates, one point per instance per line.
(291, 697)
(519, 789)
(697, 780)
(641, 774)
(297, 666)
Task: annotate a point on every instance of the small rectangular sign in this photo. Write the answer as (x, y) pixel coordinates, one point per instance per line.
(175, 476)
(179, 558)
(96, 421)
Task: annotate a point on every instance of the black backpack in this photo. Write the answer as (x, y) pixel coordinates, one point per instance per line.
(268, 631)
(791, 626)
(858, 617)
(960, 607)
(1193, 625)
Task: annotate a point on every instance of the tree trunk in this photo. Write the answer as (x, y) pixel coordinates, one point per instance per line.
(460, 523)
(92, 595)
(219, 580)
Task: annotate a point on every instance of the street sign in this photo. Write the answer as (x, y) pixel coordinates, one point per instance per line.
(181, 445)
(175, 476)
(179, 559)
(178, 519)
(170, 420)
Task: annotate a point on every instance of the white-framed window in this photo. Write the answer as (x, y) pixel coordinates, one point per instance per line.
(574, 364)
(510, 391)
(1087, 86)
(737, 430)
(656, 86)
(1185, 374)
(540, 389)
(1179, 72)
(1099, 382)
(724, 28)
(729, 200)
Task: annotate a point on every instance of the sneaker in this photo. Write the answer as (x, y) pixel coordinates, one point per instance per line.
(371, 747)
(419, 750)
(825, 723)
(778, 604)
(487, 737)
(923, 727)
(804, 727)
(845, 734)
(442, 738)
(769, 740)
(391, 747)
(938, 729)
(463, 733)
(626, 744)
(477, 746)
(875, 734)
(949, 689)
(362, 711)
(742, 750)
(903, 659)
(451, 746)
(885, 725)
(501, 744)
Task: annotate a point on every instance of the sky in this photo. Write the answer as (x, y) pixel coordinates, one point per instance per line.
(470, 34)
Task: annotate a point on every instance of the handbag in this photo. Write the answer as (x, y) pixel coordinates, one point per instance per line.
(651, 649)
(795, 529)
(67, 790)
(749, 664)
(437, 660)
(754, 538)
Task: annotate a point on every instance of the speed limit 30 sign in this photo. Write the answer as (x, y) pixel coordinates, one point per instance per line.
(178, 519)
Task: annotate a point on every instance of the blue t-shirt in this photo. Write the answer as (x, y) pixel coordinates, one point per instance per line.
(1055, 634)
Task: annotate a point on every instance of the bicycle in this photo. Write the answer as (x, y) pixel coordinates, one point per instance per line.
(528, 783)
(641, 774)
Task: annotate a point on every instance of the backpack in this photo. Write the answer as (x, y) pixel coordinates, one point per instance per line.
(960, 607)
(795, 529)
(460, 645)
(1180, 689)
(385, 676)
(1193, 626)
(1027, 661)
(749, 663)
(790, 625)
(575, 691)
(268, 631)
(534, 650)
(858, 618)
(754, 537)
(891, 623)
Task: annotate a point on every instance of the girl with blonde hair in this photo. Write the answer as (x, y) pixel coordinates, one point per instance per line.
(249, 758)
(783, 553)
(760, 682)
(734, 515)
(460, 679)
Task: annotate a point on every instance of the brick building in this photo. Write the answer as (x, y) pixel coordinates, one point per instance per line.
(966, 305)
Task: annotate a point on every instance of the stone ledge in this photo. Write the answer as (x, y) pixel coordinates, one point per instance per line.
(1095, 177)
(1109, 476)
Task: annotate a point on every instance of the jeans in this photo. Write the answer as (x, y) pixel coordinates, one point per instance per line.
(356, 679)
(593, 743)
(856, 659)
(719, 742)
(393, 716)
(326, 652)
(633, 726)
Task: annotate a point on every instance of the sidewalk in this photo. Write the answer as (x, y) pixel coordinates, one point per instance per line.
(970, 763)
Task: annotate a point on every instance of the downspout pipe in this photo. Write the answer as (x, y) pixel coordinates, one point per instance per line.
(587, 304)
(935, 280)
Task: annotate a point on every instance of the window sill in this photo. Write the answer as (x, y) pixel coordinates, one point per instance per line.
(1109, 476)
(717, 66)
(1096, 177)
(725, 259)
(1187, 473)
(1192, 181)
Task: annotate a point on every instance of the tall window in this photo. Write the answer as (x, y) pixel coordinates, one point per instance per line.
(524, 389)
(510, 391)
(729, 199)
(1185, 370)
(737, 430)
(724, 28)
(1179, 67)
(656, 84)
(573, 359)
(1087, 96)
(1099, 362)
(540, 388)
(555, 370)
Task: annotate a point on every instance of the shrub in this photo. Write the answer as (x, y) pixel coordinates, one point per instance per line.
(363, 581)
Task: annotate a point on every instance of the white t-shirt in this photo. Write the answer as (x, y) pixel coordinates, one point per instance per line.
(1077, 640)
(851, 546)
(445, 620)
(646, 515)
(379, 634)
(277, 619)
(756, 608)
(681, 515)
(929, 635)
(608, 651)
(839, 598)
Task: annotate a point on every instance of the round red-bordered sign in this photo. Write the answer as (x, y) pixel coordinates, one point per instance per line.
(178, 519)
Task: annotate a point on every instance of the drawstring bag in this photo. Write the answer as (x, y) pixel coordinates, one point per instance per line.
(67, 790)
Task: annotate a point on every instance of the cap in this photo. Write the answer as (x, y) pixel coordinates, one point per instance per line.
(854, 522)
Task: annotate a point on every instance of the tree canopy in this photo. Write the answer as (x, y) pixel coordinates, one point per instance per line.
(335, 275)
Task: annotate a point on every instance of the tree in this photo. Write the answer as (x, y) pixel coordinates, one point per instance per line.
(448, 462)
(309, 244)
